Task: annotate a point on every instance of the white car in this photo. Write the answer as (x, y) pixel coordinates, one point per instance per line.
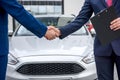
(32, 58)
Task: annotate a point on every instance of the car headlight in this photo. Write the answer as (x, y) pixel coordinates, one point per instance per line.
(89, 58)
(12, 60)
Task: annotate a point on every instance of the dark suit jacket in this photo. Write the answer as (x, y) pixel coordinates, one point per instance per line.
(88, 8)
(21, 15)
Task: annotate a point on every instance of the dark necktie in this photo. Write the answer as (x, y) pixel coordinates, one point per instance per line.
(109, 2)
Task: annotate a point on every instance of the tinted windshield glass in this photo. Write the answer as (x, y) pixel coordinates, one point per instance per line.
(55, 21)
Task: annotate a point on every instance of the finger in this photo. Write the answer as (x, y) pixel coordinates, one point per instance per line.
(48, 37)
(57, 31)
(116, 20)
(51, 27)
(115, 25)
(116, 29)
(52, 35)
(57, 34)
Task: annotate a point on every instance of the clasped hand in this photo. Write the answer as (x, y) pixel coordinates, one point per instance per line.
(52, 33)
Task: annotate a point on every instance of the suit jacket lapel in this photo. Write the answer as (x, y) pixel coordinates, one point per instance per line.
(104, 3)
(114, 2)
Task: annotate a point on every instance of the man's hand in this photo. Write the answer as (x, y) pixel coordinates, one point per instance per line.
(56, 30)
(52, 33)
(115, 24)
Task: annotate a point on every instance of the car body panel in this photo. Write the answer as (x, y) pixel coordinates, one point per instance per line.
(45, 47)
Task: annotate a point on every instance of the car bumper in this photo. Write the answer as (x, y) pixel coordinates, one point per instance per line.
(88, 74)
(90, 77)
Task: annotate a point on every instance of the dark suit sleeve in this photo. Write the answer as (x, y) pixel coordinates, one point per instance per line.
(23, 17)
(80, 20)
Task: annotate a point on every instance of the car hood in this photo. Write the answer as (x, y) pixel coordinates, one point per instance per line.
(32, 46)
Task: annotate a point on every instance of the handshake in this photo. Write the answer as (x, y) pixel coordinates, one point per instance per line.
(52, 33)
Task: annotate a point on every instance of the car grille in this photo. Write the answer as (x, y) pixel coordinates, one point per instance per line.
(50, 69)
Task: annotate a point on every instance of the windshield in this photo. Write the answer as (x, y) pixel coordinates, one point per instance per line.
(55, 21)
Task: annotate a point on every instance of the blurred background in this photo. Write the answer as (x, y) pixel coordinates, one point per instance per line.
(42, 7)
